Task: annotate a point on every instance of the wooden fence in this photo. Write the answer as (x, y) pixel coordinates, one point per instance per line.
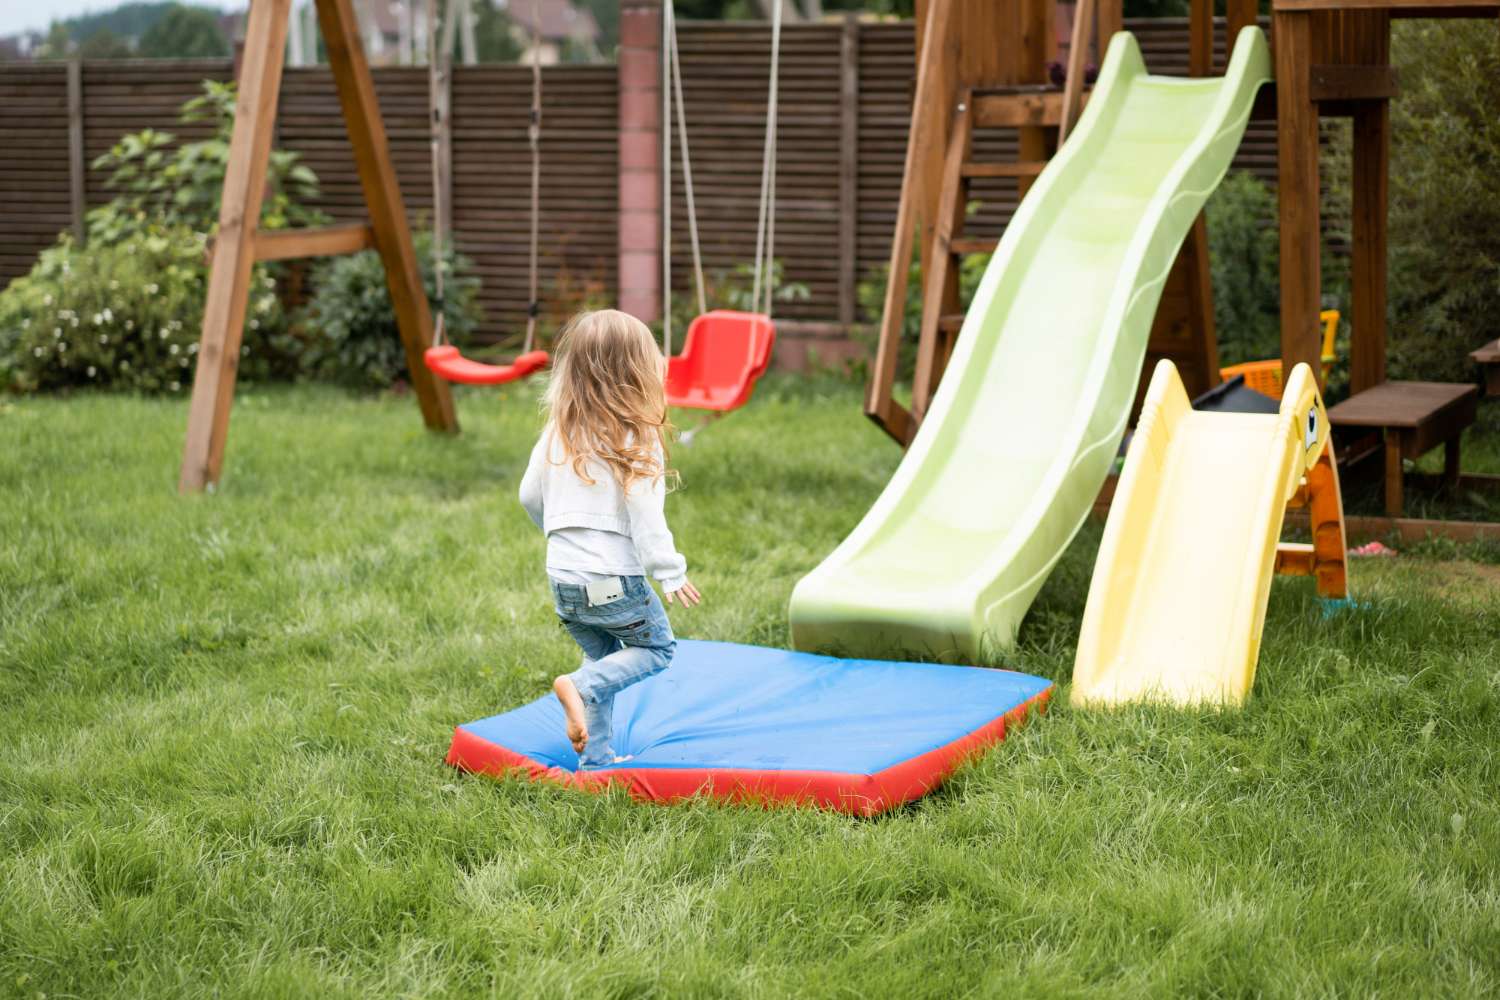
(844, 116)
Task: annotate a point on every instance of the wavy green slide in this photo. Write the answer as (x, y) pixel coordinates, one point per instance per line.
(1030, 412)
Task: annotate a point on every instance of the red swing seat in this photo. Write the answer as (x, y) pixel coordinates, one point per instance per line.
(445, 362)
(722, 356)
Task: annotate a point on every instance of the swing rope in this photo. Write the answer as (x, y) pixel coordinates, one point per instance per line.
(765, 227)
(438, 332)
(534, 131)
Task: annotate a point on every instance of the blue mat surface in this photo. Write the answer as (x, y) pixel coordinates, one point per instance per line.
(723, 709)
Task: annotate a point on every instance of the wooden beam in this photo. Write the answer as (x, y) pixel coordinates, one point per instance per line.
(931, 113)
(1041, 107)
(848, 167)
(1004, 169)
(442, 112)
(1238, 15)
(1201, 38)
(76, 176)
(940, 294)
(314, 241)
(239, 214)
(1405, 5)
(1205, 343)
(1111, 20)
(1371, 165)
(1352, 83)
(377, 177)
(1078, 50)
(1297, 192)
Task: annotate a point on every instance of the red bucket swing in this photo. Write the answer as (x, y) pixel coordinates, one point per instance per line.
(725, 351)
(444, 360)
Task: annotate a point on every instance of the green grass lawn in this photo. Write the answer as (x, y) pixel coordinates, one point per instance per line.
(225, 717)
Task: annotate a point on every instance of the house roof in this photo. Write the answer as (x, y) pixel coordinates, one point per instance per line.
(560, 19)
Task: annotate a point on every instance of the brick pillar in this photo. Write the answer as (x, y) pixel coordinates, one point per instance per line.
(640, 158)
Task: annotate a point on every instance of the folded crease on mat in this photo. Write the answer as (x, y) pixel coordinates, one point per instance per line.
(748, 722)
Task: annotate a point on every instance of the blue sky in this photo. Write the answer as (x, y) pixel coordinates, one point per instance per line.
(16, 17)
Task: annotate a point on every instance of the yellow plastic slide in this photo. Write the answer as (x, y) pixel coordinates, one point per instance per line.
(1179, 592)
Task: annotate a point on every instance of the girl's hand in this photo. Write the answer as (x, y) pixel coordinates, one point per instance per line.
(687, 592)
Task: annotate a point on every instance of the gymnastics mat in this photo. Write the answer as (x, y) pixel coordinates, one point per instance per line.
(748, 722)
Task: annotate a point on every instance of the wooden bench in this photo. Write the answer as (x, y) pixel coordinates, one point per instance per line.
(1416, 417)
(1489, 356)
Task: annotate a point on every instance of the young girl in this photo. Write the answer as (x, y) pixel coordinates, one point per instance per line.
(597, 486)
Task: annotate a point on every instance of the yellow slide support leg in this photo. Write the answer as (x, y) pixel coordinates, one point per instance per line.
(1178, 598)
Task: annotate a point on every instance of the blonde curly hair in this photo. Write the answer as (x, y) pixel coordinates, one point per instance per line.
(606, 398)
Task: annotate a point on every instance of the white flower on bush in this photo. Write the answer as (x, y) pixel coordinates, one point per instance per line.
(172, 349)
(151, 288)
(98, 319)
(265, 303)
(130, 324)
(56, 332)
(36, 351)
(103, 338)
(176, 386)
(46, 300)
(62, 347)
(92, 371)
(75, 320)
(114, 284)
(193, 348)
(255, 324)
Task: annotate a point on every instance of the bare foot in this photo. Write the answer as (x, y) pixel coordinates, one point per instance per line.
(572, 703)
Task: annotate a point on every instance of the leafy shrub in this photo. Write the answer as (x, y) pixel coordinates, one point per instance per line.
(1244, 261)
(165, 188)
(348, 330)
(1445, 198)
(126, 316)
(732, 289)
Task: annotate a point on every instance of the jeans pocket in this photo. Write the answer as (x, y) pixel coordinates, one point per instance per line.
(635, 632)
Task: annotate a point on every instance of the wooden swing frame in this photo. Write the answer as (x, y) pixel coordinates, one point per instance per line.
(239, 244)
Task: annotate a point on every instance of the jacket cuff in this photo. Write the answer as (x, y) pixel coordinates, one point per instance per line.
(673, 583)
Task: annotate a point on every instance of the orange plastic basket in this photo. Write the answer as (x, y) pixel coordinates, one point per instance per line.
(1265, 376)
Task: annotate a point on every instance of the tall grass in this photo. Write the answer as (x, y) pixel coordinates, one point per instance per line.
(224, 719)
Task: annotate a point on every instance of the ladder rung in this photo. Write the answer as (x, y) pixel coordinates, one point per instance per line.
(973, 246)
(951, 322)
(1029, 169)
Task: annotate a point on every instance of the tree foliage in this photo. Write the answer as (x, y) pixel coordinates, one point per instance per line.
(185, 32)
(1445, 198)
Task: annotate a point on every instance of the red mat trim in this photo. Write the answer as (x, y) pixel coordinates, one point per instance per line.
(862, 794)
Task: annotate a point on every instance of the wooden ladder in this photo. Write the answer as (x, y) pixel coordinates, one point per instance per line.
(942, 315)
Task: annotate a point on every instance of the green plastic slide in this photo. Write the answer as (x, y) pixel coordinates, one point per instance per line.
(1027, 421)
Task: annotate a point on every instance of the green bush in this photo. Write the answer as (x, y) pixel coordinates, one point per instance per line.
(347, 330)
(126, 316)
(1444, 281)
(1244, 260)
(164, 187)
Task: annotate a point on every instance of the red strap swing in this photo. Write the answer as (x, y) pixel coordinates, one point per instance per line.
(725, 351)
(443, 360)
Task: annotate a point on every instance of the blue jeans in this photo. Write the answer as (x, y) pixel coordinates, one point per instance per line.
(623, 642)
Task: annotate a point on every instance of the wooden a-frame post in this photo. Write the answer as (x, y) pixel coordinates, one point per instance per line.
(239, 244)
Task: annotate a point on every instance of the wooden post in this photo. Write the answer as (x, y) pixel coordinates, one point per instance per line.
(848, 167)
(382, 191)
(639, 68)
(1205, 345)
(938, 56)
(940, 278)
(234, 252)
(1367, 313)
(1297, 191)
(1038, 46)
(1239, 14)
(1111, 20)
(1201, 38)
(76, 176)
(1078, 51)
